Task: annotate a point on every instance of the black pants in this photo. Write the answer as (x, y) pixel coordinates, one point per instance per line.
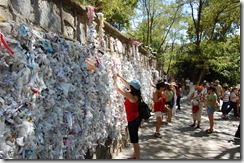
(234, 106)
(133, 127)
(178, 101)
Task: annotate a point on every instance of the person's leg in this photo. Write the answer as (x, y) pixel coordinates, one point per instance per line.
(136, 150)
(159, 123)
(178, 101)
(169, 116)
(210, 117)
(134, 138)
(224, 109)
(198, 124)
(235, 109)
(211, 122)
(229, 108)
(199, 115)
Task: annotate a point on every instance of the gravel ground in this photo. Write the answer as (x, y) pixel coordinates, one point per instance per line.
(180, 141)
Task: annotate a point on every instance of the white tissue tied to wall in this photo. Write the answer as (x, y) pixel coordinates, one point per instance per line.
(51, 106)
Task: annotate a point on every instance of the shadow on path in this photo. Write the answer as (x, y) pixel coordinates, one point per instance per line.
(180, 141)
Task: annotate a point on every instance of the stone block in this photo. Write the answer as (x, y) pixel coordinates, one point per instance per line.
(4, 3)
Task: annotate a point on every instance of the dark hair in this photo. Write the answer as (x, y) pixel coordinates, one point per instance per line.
(159, 85)
(179, 86)
(135, 92)
(167, 87)
(212, 88)
(225, 87)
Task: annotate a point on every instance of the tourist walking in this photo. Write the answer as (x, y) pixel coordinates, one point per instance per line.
(178, 94)
(233, 101)
(225, 97)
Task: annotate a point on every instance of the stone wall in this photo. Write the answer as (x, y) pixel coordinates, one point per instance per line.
(70, 20)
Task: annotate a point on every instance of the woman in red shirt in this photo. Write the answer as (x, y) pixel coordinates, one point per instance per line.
(159, 98)
(132, 99)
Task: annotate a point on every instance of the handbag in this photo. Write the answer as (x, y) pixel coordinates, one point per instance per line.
(144, 110)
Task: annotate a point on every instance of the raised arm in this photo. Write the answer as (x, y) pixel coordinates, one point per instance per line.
(151, 83)
(121, 91)
(124, 81)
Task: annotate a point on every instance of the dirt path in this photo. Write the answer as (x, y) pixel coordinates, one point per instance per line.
(180, 141)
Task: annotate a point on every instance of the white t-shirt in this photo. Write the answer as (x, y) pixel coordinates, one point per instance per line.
(233, 95)
(196, 98)
(204, 91)
(188, 82)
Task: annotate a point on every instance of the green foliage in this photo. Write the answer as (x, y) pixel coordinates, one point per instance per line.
(157, 23)
(116, 12)
(221, 60)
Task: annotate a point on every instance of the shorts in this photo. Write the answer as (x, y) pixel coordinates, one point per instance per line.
(210, 110)
(158, 114)
(133, 128)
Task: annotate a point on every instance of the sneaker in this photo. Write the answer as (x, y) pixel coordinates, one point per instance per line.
(193, 125)
(157, 135)
(198, 126)
(168, 124)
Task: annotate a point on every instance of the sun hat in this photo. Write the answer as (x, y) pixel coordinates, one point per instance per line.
(135, 83)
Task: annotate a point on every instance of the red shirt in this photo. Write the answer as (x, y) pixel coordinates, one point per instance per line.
(131, 110)
(160, 106)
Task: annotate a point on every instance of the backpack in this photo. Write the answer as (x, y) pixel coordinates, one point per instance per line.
(144, 110)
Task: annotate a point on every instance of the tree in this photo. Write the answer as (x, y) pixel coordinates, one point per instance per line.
(212, 22)
(155, 23)
(116, 12)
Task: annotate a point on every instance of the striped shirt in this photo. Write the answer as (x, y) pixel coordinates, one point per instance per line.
(226, 96)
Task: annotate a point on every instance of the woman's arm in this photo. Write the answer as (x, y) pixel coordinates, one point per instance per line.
(151, 83)
(223, 95)
(156, 99)
(121, 91)
(124, 81)
(214, 101)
